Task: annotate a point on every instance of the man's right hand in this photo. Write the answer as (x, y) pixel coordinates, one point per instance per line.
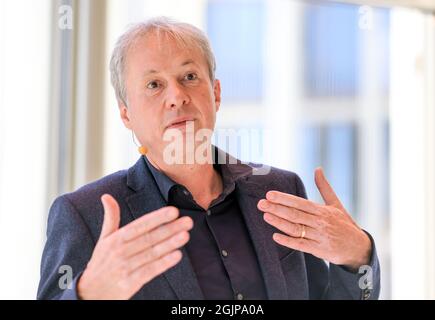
(126, 258)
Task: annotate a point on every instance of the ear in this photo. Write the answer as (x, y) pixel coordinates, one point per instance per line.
(217, 93)
(124, 114)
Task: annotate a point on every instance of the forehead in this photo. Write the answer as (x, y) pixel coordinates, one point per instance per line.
(160, 52)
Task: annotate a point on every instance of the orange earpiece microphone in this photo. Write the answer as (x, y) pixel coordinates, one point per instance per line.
(142, 149)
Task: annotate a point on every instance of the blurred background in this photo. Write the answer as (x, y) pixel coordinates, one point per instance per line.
(347, 85)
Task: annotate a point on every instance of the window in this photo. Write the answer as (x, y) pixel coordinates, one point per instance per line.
(320, 84)
(237, 45)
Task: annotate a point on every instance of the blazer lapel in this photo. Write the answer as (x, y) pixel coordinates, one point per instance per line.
(147, 198)
(248, 194)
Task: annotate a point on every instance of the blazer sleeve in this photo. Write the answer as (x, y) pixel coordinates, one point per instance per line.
(336, 282)
(68, 249)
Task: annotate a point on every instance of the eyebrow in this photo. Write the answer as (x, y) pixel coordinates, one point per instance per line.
(151, 71)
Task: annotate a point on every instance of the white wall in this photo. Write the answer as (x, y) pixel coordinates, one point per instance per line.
(24, 65)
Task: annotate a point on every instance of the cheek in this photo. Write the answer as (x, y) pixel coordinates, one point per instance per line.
(210, 106)
(145, 121)
(206, 100)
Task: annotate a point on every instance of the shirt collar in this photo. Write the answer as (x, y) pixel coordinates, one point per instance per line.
(223, 163)
(164, 183)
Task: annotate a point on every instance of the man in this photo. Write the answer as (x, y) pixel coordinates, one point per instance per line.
(196, 229)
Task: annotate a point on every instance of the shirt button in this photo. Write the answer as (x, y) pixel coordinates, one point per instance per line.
(208, 212)
(239, 296)
(224, 253)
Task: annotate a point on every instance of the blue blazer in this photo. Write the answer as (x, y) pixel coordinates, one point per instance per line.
(75, 221)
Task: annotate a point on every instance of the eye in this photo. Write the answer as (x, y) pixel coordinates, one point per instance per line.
(190, 76)
(152, 85)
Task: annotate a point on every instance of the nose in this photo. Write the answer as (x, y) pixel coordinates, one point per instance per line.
(176, 95)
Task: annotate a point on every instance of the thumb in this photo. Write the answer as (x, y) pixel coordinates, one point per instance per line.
(112, 215)
(326, 190)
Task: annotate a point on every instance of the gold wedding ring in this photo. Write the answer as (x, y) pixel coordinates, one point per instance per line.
(303, 231)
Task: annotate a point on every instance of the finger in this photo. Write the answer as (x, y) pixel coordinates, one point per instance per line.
(325, 189)
(299, 244)
(151, 270)
(157, 235)
(148, 222)
(288, 213)
(112, 215)
(292, 229)
(290, 200)
(159, 250)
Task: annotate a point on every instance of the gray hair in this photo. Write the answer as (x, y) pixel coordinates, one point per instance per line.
(184, 34)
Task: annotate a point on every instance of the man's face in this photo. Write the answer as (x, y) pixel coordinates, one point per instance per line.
(165, 83)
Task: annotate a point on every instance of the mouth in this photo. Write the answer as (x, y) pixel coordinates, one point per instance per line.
(179, 123)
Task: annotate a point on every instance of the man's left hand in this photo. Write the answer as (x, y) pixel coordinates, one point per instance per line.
(325, 231)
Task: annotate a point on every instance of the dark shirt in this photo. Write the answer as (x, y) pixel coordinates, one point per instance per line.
(220, 248)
